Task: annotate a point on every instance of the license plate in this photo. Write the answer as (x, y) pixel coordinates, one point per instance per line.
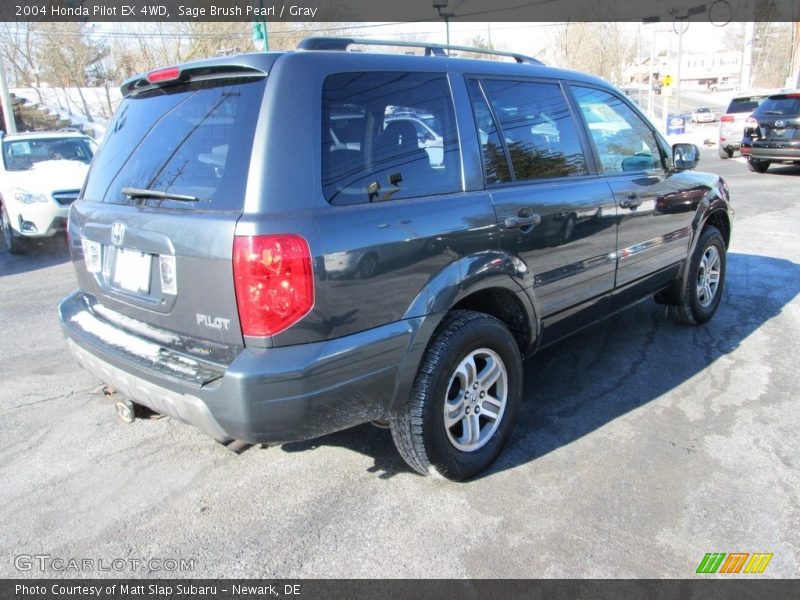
(132, 270)
(778, 134)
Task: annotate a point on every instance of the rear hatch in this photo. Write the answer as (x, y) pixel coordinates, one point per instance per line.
(779, 118)
(152, 234)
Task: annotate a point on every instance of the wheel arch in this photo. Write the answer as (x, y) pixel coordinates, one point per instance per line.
(485, 282)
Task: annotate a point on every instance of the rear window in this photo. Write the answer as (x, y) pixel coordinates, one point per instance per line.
(189, 140)
(388, 136)
(781, 105)
(745, 104)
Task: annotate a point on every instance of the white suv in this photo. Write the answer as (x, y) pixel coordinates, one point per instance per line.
(41, 174)
(731, 124)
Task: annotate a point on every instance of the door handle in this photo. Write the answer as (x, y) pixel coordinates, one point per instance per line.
(631, 201)
(523, 220)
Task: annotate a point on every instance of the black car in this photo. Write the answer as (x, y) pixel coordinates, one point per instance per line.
(772, 133)
(263, 249)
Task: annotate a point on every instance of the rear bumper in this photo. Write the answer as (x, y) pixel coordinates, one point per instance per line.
(264, 395)
(775, 151)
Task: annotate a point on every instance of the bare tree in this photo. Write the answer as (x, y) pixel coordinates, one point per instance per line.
(772, 54)
(604, 49)
(18, 49)
(68, 56)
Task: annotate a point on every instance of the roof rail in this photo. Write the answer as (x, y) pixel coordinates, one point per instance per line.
(342, 43)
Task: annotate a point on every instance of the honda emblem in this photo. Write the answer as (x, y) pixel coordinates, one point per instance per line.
(117, 233)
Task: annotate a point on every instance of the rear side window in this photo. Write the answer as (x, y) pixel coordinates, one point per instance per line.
(532, 124)
(388, 136)
(192, 140)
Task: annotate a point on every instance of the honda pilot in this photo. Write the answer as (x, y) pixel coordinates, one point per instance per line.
(266, 250)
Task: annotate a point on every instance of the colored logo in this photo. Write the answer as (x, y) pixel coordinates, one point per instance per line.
(734, 562)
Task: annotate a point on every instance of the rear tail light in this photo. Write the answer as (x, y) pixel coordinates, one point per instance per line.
(727, 119)
(92, 255)
(750, 123)
(274, 282)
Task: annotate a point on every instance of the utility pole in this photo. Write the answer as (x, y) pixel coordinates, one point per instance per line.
(5, 99)
(683, 26)
(440, 6)
(650, 90)
(747, 55)
(794, 76)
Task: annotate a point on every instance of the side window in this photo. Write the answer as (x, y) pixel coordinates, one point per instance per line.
(624, 142)
(388, 136)
(537, 127)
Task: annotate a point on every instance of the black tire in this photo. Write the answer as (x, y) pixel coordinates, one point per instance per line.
(419, 430)
(13, 241)
(368, 266)
(725, 153)
(695, 306)
(758, 166)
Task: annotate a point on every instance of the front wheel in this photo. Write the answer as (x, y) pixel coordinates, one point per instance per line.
(759, 166)
(705, 280)
(14, 242)
(464, 400)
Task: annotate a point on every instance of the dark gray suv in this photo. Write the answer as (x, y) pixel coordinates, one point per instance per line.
(268, 248)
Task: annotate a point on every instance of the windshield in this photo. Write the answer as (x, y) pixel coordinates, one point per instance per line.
(22, 155)
(187, 140)
(781, 105)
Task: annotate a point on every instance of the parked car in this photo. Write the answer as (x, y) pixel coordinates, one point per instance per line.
(232, 298)
(41, 174)
(731, 124)
(703, 115)
(772, 132)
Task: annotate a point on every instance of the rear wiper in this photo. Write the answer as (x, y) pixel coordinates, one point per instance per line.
(157, 194)
(773, 112)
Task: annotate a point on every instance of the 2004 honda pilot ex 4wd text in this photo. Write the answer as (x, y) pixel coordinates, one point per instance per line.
(271, 247)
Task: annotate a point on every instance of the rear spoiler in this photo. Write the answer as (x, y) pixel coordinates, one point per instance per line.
(201, 71)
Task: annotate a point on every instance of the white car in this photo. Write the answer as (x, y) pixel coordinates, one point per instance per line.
(41, 174)
(703, 115)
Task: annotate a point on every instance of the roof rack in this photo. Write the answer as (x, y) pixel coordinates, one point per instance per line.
(342, 43)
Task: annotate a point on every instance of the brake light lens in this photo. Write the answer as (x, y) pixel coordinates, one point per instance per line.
(727, 118)
(162, 75)
(750, 123)
(274, 282)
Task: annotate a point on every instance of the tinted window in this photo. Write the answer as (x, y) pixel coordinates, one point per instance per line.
(537, 127)
(745, 104)
(388, 136)
(22, 155)
(624, 142)
(781, 105)
(191, 140)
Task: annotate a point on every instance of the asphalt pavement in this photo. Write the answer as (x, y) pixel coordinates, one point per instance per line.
(642, 445)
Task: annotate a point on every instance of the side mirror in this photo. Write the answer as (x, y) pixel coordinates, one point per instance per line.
(685, 156)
